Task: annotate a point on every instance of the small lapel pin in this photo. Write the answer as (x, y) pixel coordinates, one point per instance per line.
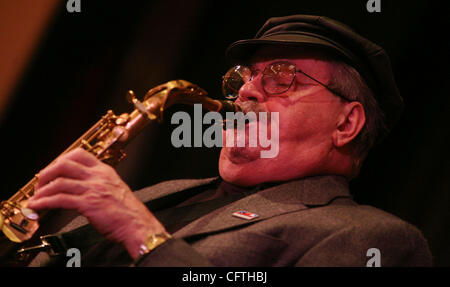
(245, 214)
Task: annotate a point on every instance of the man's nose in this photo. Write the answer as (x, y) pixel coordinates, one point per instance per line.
(252, 91)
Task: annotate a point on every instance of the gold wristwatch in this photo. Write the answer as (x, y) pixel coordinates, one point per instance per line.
(152, 241)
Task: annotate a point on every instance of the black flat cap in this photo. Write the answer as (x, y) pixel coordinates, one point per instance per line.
(369, 59)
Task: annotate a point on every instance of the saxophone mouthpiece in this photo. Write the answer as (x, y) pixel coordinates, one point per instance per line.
(229, 106)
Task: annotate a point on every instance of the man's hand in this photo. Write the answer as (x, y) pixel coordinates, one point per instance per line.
(78, 180)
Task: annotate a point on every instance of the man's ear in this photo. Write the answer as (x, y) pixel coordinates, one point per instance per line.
(350, 123)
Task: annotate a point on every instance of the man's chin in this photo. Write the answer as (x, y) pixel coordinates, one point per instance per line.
(241, 155)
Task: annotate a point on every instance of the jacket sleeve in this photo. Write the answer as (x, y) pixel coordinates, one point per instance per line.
(397, 244)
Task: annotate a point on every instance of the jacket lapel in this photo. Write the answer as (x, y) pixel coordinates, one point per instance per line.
(285, 198)
(163, 189)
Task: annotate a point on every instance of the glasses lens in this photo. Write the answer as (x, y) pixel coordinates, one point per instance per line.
(234, 79)
(278, 77)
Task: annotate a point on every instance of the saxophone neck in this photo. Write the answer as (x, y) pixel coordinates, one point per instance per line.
(184, 92)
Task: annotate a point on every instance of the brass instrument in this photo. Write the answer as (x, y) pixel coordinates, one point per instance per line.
(106, 140)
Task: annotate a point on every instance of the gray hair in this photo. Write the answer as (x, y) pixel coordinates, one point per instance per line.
(348, 82)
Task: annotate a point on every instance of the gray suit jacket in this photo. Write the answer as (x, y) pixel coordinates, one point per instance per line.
(307, 222)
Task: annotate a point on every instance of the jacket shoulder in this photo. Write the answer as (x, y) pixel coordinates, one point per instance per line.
(356, 229)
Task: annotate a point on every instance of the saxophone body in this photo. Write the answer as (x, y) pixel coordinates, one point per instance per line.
(106, 140)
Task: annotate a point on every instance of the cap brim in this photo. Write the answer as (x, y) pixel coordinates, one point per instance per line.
(242, 51)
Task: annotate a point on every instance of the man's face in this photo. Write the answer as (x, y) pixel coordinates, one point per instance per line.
(307, 118)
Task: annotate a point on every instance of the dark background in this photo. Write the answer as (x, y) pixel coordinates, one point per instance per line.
(87, 61)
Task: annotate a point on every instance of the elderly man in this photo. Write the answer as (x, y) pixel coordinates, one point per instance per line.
(335, 96)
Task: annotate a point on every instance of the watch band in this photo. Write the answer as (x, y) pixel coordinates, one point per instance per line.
(152, 241)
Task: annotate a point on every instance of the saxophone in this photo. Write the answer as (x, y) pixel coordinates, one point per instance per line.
(106, 140)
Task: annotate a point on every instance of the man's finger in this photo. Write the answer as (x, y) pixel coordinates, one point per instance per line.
(60, 200)
(83, 157)
(62, 168)
(61, 185)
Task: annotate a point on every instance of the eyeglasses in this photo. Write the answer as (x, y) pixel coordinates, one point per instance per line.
(277, 78)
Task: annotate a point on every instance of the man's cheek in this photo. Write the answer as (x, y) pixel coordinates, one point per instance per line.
(298, 125)
(300, 131)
